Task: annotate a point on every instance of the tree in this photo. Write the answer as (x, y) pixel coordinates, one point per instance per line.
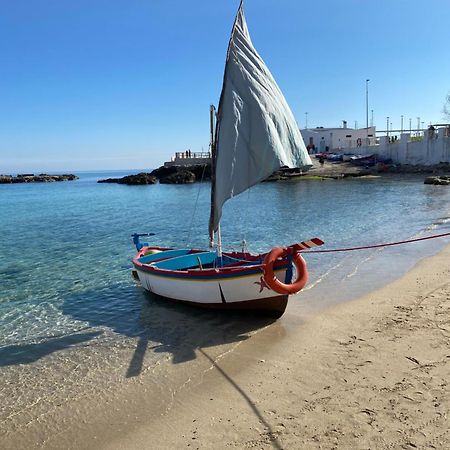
(446, 109)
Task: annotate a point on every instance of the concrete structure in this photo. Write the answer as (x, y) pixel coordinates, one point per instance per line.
(430, 149)
(433, 147)
(322, 139)
(189, 158)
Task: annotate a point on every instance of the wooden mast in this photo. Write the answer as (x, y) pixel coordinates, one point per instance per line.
(212, 111)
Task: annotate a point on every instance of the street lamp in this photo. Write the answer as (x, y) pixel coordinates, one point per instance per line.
(387, 126)
(367, 103)
(401, 128)
(410, 126)
(367, 112)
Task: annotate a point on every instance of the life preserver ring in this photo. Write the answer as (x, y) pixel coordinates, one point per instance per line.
(358, 142)
(273, 282)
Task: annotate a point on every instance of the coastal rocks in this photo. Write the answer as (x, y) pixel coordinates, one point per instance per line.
(181, 177)
(31, 178)
(201, 172)
(441, 180)
(132, 180)
(166, 175)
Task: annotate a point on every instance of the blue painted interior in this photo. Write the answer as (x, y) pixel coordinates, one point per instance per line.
(165, 254)
(187, 261)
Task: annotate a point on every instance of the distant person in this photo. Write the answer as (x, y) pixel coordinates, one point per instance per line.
(431, 130)
(321, 160)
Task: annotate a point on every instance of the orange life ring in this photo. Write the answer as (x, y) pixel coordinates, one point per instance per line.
(273, 282)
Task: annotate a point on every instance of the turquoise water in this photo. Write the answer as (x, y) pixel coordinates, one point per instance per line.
(66, 248)
(74, 327)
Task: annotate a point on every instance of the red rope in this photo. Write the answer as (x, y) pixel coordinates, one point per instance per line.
(377, 245)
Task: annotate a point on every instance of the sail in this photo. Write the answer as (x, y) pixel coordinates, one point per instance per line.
(256, 132)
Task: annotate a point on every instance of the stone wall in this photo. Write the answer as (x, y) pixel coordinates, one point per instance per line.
(433, 148)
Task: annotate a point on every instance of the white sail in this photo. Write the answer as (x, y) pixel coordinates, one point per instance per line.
(256, 130)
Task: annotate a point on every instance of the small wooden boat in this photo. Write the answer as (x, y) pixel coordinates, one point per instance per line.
(253, 134)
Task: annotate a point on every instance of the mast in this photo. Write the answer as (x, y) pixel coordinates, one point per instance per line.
(212, 147)
(213, 125)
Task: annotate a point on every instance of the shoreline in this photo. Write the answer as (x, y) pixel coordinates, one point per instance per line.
(367, 373)
(370, 373)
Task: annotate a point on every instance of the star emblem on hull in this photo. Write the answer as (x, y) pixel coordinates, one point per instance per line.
(262, 284)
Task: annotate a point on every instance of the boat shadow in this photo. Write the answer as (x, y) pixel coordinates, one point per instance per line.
(28, 353)
(158, 324)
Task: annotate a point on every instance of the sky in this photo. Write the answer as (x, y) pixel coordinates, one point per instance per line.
(100, 85)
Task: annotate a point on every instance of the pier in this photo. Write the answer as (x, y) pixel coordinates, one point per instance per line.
(188, 158)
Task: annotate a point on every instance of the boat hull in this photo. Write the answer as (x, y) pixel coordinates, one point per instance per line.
(268, 307)
(247, 292)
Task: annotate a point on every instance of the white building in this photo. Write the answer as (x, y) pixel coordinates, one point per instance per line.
(322, 139)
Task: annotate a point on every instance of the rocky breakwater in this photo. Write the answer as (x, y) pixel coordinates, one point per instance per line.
(166, 175)
(32, 178)
(443, 180)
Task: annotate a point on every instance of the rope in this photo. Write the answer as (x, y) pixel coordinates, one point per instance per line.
(349, 249)
(188, 240)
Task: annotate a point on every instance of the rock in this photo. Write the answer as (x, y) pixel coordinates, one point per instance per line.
(132, 180)
(430, 180)
(163, 172)
(31, 178)
(139, 179)
(201, 172)
(5, 179)
(443, 180)
(179, 177)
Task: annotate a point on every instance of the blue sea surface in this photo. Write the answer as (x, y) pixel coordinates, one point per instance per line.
(65, 248)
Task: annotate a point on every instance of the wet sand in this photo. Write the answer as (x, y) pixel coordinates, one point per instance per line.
(370, 373)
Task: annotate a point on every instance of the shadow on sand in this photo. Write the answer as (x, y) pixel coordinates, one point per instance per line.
(167, 327)
(159, 324)
(28, 353)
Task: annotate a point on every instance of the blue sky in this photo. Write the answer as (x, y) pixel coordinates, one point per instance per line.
(124, 84)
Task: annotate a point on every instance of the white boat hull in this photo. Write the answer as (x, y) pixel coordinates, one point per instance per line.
(244, 292)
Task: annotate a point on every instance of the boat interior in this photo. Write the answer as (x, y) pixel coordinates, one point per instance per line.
(186, 259)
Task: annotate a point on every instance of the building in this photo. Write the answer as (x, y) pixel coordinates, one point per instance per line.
(430, 147)
(322, 139)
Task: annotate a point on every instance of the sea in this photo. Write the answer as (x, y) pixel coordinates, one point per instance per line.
(74, 323)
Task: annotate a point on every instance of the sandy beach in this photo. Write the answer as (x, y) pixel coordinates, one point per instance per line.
(369, 373)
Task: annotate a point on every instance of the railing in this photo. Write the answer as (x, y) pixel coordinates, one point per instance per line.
(191, 155)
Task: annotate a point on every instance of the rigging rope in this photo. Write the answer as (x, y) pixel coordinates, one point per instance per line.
(349, 249)
(188, 240)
